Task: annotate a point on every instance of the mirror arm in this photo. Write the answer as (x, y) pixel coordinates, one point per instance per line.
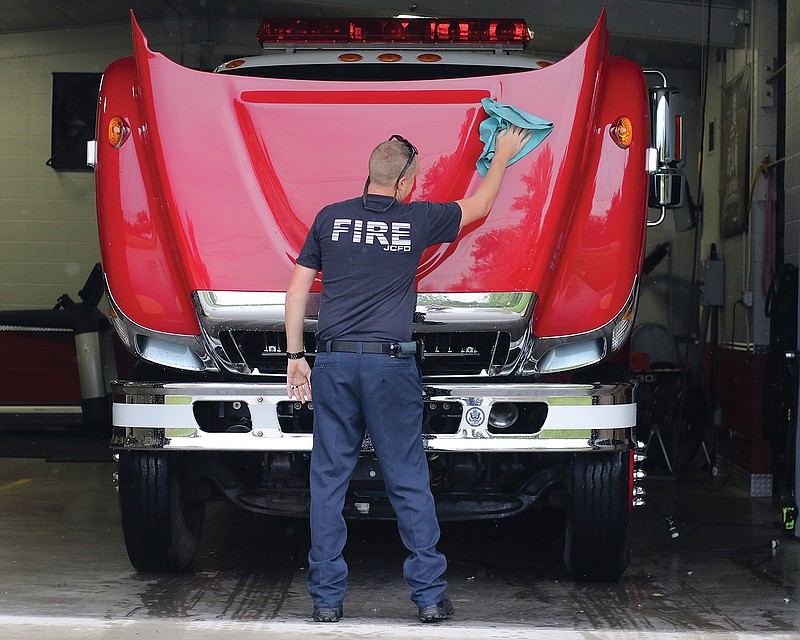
(651, 223)
(657, 72)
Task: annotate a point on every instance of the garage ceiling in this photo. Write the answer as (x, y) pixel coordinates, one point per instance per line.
(667, 33)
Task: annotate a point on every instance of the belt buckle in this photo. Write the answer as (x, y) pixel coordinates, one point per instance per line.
(394, 348)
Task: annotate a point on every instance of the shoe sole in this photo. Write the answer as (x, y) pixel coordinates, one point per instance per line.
(440, 614)
(328, 615)
(437, 618)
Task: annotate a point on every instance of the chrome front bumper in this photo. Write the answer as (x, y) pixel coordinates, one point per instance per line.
(152, 415)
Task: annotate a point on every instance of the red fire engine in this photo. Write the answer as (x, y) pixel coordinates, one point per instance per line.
(207, 184)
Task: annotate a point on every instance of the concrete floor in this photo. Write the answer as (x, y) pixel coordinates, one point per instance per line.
(64, 572)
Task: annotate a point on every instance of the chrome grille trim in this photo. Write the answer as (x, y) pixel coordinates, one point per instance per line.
(222, 313)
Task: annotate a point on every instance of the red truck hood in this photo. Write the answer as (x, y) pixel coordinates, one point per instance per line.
(239, 166)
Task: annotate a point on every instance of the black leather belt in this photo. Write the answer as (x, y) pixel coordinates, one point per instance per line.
(389, 348)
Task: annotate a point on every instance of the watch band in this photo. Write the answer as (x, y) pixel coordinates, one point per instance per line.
(296, 355)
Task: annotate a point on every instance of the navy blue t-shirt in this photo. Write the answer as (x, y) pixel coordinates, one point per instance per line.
(369, 261)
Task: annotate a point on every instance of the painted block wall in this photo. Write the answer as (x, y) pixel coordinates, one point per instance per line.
(48, 228)
(48, 232)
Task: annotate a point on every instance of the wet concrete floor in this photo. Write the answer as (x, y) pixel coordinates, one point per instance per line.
(64, 572)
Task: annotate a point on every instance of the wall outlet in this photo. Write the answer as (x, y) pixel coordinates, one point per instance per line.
(747, 299)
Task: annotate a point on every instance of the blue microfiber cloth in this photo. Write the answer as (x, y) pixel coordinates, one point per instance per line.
(501, 116)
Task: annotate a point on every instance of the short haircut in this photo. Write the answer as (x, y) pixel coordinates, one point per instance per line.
(387, 161)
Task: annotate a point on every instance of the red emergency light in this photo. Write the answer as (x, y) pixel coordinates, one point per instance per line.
(424, 31)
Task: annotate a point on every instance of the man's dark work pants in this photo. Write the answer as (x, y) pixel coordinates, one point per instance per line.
(354, 392)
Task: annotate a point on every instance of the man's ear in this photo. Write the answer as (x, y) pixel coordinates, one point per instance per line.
(406, 182)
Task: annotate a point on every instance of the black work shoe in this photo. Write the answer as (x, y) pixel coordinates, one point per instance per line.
(328, 614)
(438, 611)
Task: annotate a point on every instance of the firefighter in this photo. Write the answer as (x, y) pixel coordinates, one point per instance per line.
(366, 377)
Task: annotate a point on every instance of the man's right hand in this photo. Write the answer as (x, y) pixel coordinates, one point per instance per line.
(510, 142)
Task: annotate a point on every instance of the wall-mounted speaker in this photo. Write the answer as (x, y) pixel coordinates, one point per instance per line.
(73, 121)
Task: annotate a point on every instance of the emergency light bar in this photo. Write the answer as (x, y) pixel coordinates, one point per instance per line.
(392, 30)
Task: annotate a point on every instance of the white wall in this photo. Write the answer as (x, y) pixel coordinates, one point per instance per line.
(48, 228)
(48, 232)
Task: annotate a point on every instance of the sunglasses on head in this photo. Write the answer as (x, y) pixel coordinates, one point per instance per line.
(412, 152)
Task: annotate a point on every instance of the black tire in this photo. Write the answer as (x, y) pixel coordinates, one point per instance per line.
(596, 545)
(161, 524)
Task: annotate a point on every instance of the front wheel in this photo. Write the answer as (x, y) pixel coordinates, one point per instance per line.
(161, 523)
(596, 548)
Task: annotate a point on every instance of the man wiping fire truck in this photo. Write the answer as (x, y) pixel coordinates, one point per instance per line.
(366, 380)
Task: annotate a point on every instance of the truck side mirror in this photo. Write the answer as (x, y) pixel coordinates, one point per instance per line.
(667, 183)
(667, 190)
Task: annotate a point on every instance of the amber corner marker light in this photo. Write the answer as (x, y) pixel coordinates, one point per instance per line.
(622, 131)
(118, 131)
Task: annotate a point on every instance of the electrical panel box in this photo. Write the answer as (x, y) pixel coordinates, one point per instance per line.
(714, 283)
